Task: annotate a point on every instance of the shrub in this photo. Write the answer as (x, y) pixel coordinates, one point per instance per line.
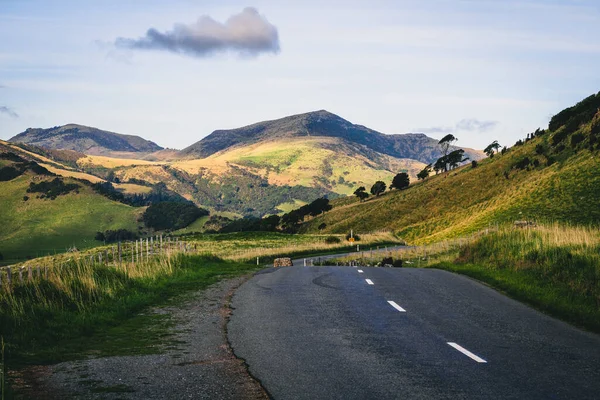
(522, 163)
(474, 164)
(25, 198)
(8, 174)
(113, 236)
(332, 240)
(540, 149)
(400, 181)
(576, 139)
(322, 226)
(52, 189)
(397, 263)
(172, 215)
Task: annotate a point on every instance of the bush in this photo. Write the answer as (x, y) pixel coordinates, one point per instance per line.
(522, 163)
(332, 240)
(474, 164)
(172, 215)
(8, 174)
(540, 149)
(322, 226)
(119, 235)
(355, 236)
(576, 139)
(397, 263)
(52, 189)
(25, 198)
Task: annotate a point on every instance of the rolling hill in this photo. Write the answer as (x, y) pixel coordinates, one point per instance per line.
(85, 139)
(552, 175)
(255, 170)
(34, 224)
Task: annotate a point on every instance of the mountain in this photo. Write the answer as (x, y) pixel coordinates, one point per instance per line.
(85, 139)
(415, 146)
(553, 175)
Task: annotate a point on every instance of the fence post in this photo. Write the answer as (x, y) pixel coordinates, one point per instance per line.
(46, 272)
(29, 274)
(39, 272)
(132, 254)
(120, 254)
(147, 250)
(9, 276)
(21, 275)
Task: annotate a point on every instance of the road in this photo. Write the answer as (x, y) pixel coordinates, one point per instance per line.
(332, 333)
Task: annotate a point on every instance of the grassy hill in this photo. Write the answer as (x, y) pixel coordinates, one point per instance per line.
(553, 177)
(39, 226)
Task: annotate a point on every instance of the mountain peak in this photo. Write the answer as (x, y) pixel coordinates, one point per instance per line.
(84, 139)
(321, 123)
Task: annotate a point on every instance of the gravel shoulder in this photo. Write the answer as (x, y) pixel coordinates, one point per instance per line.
(200, 364)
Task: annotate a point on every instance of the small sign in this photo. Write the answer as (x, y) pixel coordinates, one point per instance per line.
(351, 240)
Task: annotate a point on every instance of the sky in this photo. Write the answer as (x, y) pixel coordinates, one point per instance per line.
(173, 72)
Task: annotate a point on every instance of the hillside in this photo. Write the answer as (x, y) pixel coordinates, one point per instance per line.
(85, 139)
(553, 177)
(34, 226)
(322, 123)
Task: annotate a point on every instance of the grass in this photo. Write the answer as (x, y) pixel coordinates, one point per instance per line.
(97, 310)
(40, 227)
(246, 246)
(468, 199)
(554, 268)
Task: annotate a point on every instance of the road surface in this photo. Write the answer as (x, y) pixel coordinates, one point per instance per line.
(387, 333)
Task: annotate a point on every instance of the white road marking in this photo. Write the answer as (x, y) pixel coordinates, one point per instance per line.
(467, 352)
(370, 282)
(396, 306)
(360, 271)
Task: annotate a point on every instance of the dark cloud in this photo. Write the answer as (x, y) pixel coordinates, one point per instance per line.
(247, 33)
(8, 111)
(474, 125)
(469, 125)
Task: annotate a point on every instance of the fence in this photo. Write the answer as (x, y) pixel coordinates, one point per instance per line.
(120, 255)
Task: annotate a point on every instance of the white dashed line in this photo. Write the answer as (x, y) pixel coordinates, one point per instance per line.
(467, 352)
(396, 306)
(370, 282)
(360, 271)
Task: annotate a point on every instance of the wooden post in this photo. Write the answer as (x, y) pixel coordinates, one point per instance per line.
(29, 274)
(161, 242)
(9, 276)
(45, 272)
(120, 253)
(147, 250)
(132, 254)
(39, 272)
(137, 254)
(21, 275)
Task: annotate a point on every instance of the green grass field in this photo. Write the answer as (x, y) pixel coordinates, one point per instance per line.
(39, 227)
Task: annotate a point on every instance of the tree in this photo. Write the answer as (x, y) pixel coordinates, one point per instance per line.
(446, 142)
(400, 181)
(378, 188)
(489, 151)
(424, 174)
(474, 164)
(361, 193)
(455, 158)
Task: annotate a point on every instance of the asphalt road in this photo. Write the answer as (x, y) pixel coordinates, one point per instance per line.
(326, 333)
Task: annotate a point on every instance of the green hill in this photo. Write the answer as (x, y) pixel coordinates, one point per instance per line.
(33, 226)
(555, 176)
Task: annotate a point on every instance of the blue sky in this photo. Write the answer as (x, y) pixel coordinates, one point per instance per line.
(484, 70)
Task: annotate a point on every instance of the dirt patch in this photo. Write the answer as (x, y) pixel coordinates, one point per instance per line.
(199, 364)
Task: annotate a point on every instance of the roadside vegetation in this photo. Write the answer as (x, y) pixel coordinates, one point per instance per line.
(555, 268)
